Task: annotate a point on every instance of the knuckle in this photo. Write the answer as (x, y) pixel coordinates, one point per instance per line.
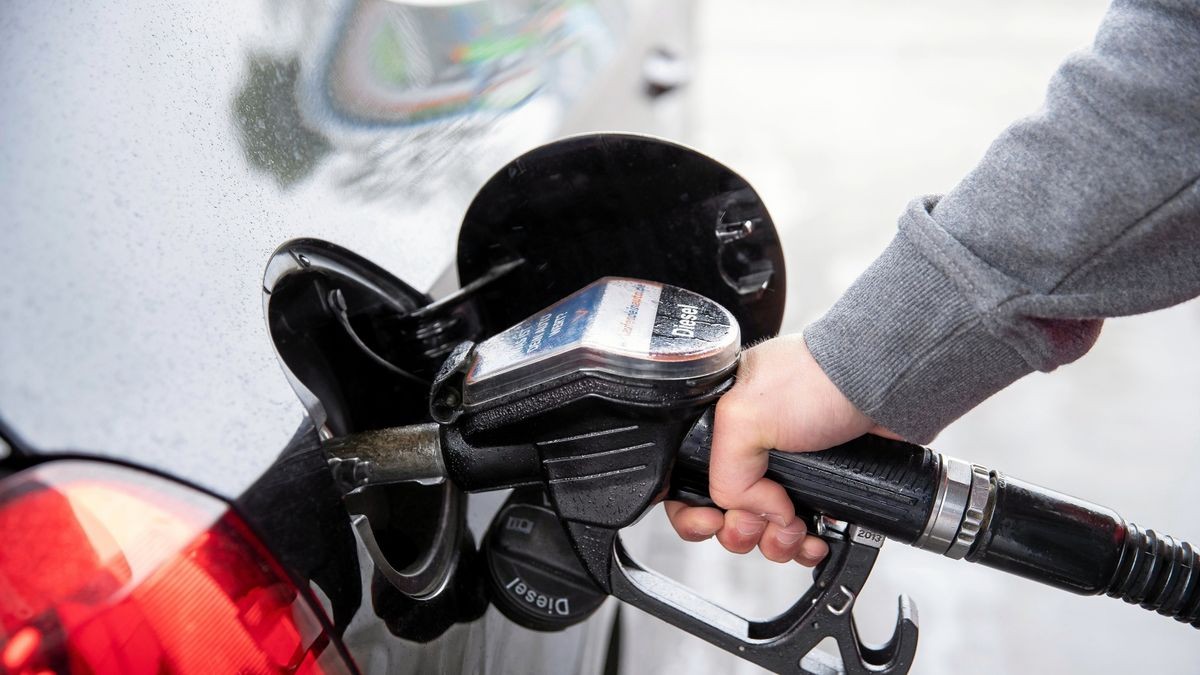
(721, 495)
(733, 410)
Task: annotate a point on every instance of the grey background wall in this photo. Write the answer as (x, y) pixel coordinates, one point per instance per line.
(839, 113)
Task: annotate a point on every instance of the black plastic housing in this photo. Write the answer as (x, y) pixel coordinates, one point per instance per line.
(601, 448)
(1050, 537)
(1078, 546)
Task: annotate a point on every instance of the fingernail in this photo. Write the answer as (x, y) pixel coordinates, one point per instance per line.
(808, 559)
(791, 534)
(750, 525)
(774, 518)
(804, 559)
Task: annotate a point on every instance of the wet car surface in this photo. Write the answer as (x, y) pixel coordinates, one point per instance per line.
(152, 162)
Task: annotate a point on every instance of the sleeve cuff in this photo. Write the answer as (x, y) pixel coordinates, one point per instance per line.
(906, 346)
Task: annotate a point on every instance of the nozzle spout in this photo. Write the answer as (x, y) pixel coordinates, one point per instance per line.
(399, 454)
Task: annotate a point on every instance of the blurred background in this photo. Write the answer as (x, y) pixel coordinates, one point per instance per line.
(838, 114)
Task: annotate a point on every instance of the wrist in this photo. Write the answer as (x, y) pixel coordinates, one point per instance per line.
(907, 347)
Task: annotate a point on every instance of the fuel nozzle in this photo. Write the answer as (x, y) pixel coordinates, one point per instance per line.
(622, 367)
(603, 403)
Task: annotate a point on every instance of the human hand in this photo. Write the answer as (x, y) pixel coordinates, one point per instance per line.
(781, 400)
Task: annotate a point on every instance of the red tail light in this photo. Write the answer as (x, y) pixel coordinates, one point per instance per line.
(105, 569)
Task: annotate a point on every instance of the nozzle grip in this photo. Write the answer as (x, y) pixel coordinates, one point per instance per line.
(882, 484)
(891, 487)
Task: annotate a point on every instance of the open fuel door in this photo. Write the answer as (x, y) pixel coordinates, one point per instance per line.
(565, 214)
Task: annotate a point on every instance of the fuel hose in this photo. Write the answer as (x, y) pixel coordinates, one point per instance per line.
(964, 511)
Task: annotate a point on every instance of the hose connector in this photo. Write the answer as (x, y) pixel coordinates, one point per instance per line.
(963, 491)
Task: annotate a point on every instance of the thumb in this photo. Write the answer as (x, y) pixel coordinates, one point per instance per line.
(742, 437)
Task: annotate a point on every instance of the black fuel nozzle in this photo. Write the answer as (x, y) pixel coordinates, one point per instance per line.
(965, 511)
(605, 402)
(587, 403)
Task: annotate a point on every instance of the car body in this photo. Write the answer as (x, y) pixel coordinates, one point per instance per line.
(153, 162)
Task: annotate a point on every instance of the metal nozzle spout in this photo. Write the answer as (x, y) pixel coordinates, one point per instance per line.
(400, 454)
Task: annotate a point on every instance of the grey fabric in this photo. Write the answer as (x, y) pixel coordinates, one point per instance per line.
(1088, 209)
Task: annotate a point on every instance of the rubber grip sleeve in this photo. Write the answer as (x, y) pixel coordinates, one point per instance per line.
(879, 483)
(1075, 545)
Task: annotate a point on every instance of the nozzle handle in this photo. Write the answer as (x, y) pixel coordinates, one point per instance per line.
(883, 484)
(983, 516)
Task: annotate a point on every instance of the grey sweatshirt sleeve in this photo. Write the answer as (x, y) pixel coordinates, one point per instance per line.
(1088, 209)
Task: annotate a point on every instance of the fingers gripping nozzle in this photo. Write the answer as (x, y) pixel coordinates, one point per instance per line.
(788, 642)
(603, 403)
(589, 402)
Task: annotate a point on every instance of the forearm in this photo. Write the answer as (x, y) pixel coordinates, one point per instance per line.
(1088, 209)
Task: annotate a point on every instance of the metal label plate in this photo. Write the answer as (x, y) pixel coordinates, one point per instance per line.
(624, 327)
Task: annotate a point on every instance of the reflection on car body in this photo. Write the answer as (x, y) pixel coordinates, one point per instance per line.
(150, 164)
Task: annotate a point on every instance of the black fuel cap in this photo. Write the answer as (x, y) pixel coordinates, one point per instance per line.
(536, 580)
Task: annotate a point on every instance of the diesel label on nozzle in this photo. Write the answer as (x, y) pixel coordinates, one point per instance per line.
(687, 322)
(685, 326)
(630, 330)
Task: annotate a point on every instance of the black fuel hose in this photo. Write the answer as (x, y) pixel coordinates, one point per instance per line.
(916, 496)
